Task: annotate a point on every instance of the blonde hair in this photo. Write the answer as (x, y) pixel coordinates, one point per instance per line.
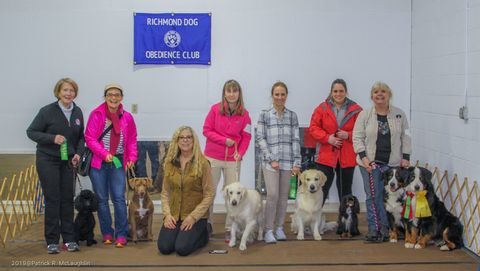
(58, 86)
(379, 85)
(174, 151)
(239, 107)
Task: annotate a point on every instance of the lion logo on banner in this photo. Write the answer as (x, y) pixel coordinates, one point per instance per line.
(172, 39)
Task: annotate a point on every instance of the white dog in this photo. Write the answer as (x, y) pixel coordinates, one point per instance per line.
(244, 209)
(309, 204)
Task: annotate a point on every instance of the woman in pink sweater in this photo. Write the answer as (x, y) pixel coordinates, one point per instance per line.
(227, 128)
(111, 134)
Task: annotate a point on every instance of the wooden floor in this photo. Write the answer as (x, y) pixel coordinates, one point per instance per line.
(331, 253)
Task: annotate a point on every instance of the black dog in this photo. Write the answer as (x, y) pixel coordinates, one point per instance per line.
(441, 225)
(86, 203)
(395, 180)
(347, 217)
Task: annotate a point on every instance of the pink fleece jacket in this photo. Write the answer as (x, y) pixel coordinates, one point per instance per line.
(217, 128)
(94, 129)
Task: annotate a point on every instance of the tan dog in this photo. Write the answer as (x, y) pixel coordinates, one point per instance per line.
(244, 208)
(309, 204)
(140, 210)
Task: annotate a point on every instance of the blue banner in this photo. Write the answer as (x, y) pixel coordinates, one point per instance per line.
(172, 38)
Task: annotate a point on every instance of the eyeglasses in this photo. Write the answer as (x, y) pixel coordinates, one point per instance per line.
(116, 95)
(185, 138)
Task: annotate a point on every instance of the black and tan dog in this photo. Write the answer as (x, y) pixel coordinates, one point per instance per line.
(348, 217)
(140, 210)
(441, 225)
(85, 203)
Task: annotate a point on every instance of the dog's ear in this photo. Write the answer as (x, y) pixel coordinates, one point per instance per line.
(131, 183)
(149, 182)
(426, 174)
(78, 203)
(356, 205)
(301, 177)
(243, 192)
(225, 193)
(343, 206)
(322, 177)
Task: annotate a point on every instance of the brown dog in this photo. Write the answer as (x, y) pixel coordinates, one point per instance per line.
(140, 210)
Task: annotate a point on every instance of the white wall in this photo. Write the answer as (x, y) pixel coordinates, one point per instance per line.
(306, 43)
(445, 61)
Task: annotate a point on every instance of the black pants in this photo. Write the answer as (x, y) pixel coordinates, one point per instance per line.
(344, 186)
(183, 242)
(56, 178)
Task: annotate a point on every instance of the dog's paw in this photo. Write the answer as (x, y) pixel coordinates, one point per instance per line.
(232, 243)
(317, 237)
(393, 240)
(418, 246)
(300, 237)
(444, 248)
(242, 247)
(409, 245)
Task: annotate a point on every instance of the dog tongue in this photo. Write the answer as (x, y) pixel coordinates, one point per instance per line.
(392, 189)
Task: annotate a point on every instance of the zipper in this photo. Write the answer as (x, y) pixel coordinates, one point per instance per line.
(181, 193)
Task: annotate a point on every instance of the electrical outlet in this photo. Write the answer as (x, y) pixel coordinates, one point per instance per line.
(134, 108)
(463, 113)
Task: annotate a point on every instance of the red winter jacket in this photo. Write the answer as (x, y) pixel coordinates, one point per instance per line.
(324, 123)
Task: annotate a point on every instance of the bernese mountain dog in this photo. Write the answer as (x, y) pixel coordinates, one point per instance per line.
(348, 217)
(441, 225)
(395, 181)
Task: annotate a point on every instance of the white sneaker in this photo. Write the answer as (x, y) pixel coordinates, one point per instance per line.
(269, 238)
(280, 235)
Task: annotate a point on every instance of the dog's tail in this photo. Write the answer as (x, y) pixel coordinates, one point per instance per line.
(327, 226)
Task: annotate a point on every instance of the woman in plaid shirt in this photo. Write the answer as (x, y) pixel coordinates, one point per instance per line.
(279, 141)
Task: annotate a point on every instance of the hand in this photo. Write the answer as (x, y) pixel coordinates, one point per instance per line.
(169, 222)
(187, 224)
(229, 142)
(342, 134)
(237, 157)
(75, 160)
(335, 141)
(275, 165)
(59, 139)
(367, 165)
(109, 158)
(404, 163)
(295, 170)
(130, 164)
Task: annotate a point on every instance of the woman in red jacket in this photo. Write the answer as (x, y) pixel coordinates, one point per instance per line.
(332, 125)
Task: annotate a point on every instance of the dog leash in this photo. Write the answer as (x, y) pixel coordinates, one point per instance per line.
(372, 191)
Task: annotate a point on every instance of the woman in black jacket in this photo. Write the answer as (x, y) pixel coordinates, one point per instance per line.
(58, 123)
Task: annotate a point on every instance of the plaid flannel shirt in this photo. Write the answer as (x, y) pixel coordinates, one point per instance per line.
(278, 138)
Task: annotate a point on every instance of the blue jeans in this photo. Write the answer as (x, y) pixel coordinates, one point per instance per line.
(376, 214)
(152, 149)
(110, 181)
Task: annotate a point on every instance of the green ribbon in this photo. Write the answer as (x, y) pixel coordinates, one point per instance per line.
(64, 151)
(117, 162)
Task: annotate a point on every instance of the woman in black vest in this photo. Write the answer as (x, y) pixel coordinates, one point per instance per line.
(55, 124)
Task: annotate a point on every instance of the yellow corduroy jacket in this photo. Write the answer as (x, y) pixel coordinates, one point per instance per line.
(184, 194)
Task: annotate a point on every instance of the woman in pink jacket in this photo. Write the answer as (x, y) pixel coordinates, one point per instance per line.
(111, 134)
(227, 128)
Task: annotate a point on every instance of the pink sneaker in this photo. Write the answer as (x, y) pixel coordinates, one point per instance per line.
(107, 239)
(120, 242)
